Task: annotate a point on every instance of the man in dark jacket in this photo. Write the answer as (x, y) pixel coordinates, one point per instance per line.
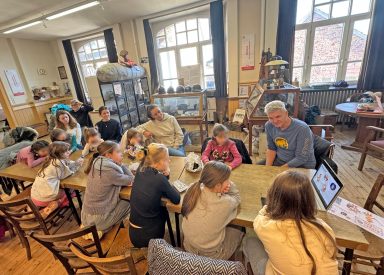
(80, 111)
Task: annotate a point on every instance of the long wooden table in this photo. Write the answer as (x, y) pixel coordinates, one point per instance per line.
(253, 182)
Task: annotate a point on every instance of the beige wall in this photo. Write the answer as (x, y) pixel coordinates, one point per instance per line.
(27, 56)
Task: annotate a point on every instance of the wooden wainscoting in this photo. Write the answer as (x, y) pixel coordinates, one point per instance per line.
(233, 104)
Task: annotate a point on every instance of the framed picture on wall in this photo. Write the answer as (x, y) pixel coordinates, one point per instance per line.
(62, 72)
(246, 88)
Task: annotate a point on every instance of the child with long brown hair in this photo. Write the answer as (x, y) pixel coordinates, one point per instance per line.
(208, 207)
(148, 216)
(131, 142)
(102, 205)
(33, 155)
(66, 122)
(92, 139)
(291, 240)
(46, 190)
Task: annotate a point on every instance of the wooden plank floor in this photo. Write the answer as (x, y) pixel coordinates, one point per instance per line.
(357, 186)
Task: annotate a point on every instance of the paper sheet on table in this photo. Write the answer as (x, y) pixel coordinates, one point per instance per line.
(359, 216)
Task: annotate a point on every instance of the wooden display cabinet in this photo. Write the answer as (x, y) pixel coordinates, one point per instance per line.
(259, 97)
(187, 108)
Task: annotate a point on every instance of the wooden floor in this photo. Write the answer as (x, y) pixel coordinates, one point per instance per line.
(357, 186)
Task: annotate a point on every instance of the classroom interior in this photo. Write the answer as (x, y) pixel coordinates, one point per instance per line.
(203, 63)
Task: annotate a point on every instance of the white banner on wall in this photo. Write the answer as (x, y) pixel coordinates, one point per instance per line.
(14, 82)
(248, 52)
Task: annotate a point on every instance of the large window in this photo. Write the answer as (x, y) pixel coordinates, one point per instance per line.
(92, 55)
(184, 51)
(330, 40)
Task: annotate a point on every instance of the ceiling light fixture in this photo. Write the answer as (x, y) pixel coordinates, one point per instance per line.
(73, 10)
(23, 27)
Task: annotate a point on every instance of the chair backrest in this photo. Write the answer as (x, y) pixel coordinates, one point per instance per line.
(245, 158)
(164, 259)
(7, 184)
(24, 215)
(372, 203)
(113, 265)
(58, 245)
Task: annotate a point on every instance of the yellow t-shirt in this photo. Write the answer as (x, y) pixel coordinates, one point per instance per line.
(282, 242)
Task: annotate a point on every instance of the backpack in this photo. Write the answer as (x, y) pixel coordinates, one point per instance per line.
(245, 158)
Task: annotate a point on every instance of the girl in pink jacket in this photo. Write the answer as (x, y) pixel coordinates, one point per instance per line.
(221, 148)
(33, 155)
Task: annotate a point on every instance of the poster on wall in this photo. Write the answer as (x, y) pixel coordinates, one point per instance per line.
(248, 52)
(14, 81)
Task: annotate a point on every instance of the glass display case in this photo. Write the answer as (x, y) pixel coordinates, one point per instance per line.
(187, 108)
(126, 100)
(259, 97)
(182, 105)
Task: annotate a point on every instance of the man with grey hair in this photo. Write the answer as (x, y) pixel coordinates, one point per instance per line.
(290, 141)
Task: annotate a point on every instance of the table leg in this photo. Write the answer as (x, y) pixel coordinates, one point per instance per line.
(348, 256)
(72, 206)
(178, 235)
(170, 230)
(78, 196)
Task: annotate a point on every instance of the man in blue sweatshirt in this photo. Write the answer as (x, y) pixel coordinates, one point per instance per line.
(290, 141)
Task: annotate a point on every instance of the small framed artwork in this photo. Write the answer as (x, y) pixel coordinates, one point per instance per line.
(62, 72)
(244, 89)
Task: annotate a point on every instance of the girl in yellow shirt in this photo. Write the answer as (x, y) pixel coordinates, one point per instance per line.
(291, 240)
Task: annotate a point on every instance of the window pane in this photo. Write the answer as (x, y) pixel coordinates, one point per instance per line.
(361, 6)
(101, 43)
(96, 54)
(180, 27)
(327, 44)
(171, 82)
(171, 36)
(81, 49)
(191, 24)
(94, 45)
(208, 59)
(100, 63)
(89, 56)
(88, 69)
(103, 53)
(353, 71)
(182, 38)
(192, 37)
(324, 73)
(340, 9)
(297, 73)
(209, 82)
(321, 1)
(168, 64)
(321, 12)
(304, 11)
(359, 39)
(188, 56)
(82, 56)
(204, 29)
(161, 42)
(300, 39)
(87, 48)
(161, 33)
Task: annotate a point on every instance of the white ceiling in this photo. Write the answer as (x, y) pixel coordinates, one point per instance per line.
(14, 12)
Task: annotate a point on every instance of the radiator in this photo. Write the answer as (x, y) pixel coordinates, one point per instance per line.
(327, 99)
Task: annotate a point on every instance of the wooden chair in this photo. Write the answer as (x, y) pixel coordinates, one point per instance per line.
(131, 260)
(58, 245)
(372, 145)
(374, 257)
(323, 131)
(25, 216)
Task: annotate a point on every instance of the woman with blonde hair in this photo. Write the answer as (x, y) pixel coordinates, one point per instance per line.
(291, 240)
(148, 216)
(208, 207)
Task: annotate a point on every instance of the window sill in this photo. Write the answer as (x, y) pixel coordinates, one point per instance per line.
(309, 89)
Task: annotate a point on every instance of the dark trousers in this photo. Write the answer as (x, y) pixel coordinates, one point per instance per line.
(140, 236)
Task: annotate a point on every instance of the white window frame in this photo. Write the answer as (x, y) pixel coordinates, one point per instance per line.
(310, 27)
(199, 46)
